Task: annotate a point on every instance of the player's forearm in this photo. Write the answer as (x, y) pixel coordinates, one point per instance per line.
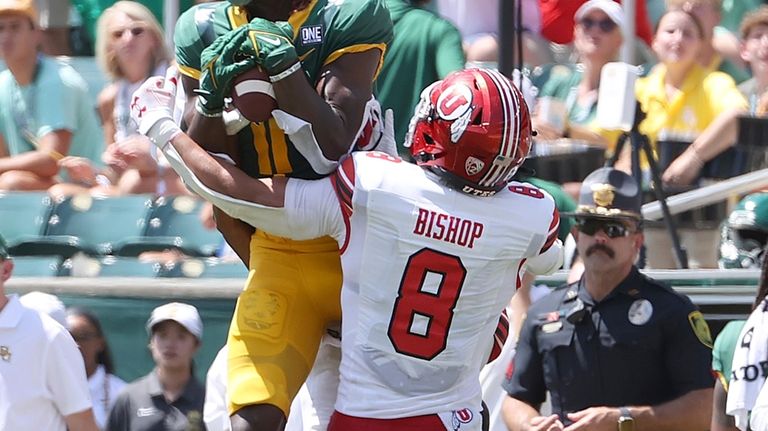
(690, 412)
(210, 133)
(237, 234)
(517, 414)
(720, 420)
(220, 177)
(330, 126)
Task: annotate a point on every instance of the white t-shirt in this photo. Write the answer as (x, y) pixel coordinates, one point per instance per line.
(43, 375)
(104, 390)
(759, 416)
(427, 271)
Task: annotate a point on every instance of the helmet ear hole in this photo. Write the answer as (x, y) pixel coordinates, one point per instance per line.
(478, 120)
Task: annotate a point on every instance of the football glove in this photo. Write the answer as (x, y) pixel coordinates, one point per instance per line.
(222, 61)
(152, 108)
(271, 44)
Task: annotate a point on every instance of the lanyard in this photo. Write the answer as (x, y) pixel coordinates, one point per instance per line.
(24, 108)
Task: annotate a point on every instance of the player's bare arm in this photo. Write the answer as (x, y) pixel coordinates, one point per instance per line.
(211, 134)
(335, 106)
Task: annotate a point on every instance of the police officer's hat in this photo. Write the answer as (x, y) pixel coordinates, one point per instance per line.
(609, 193)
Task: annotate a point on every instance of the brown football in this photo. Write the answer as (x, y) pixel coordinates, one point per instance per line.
(253, 96)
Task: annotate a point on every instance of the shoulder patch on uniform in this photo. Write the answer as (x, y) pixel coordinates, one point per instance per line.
(700, 328)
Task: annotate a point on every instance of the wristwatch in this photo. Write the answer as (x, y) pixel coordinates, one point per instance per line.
(626, 422)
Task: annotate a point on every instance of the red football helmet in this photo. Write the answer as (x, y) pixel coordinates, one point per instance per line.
(473, 129)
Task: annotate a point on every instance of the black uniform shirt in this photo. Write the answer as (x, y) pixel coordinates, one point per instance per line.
(643, 344)
(141, 406)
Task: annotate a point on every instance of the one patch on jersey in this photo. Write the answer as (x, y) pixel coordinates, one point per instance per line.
(311, 35)
(700, 328)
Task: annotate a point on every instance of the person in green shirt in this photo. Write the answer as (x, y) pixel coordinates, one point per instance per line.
(425, 48)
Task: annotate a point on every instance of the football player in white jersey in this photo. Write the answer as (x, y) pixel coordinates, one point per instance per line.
(431, 253)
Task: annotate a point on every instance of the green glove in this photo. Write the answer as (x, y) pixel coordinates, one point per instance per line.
(222, 61)
(271, 43)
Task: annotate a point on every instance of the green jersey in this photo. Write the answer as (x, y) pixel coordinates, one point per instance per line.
(323, 32)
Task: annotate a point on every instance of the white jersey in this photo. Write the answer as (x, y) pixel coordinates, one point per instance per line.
(42, 375)
(427, 272)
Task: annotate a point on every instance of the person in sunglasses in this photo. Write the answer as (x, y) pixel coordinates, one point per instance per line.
(615, 346)
(571, 90)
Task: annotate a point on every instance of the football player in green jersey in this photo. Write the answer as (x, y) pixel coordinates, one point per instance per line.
(322, 57)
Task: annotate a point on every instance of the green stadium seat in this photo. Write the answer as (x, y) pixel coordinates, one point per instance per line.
(36, 266)
(23, 215)
(110, 266)
(174, 223)
(216, 269)
(93, 225)
(205, 268)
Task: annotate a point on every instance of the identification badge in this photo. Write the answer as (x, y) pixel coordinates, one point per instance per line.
(640, 312)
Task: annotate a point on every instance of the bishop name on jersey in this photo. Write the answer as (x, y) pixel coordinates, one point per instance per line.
(448, 228)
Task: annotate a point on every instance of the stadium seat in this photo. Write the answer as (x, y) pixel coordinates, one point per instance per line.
(216, 269)
(23, 216)
(174, 222)
(36, 266)
(109, 266)
(93, 225)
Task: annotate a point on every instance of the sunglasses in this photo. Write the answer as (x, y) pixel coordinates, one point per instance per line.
(86, 336)
(605, 25)
(613, 229)
(135, 31)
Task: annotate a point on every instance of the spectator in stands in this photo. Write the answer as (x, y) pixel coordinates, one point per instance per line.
(425, 48)
(709, 14)
(129, 49)
(102, 381)
(557, 23)
(45, 110)
(54, 22)
(42, 378)
(478, 22)
(597, 41)
(754, 51)
(685, 102)
(170, 397)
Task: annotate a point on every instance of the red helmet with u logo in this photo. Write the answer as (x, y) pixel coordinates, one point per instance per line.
(473, 129)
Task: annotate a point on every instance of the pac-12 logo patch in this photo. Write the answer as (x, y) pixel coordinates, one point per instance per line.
(311, 34)
(473, 165)
(454, 102)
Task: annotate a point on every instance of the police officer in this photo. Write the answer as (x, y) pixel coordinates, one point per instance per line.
(616, 350)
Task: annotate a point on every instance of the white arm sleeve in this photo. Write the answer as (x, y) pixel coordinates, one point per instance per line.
(312, 210)
(264, 217)
(547, 262)
(303, 138)
(304, 216)
(65, 375)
